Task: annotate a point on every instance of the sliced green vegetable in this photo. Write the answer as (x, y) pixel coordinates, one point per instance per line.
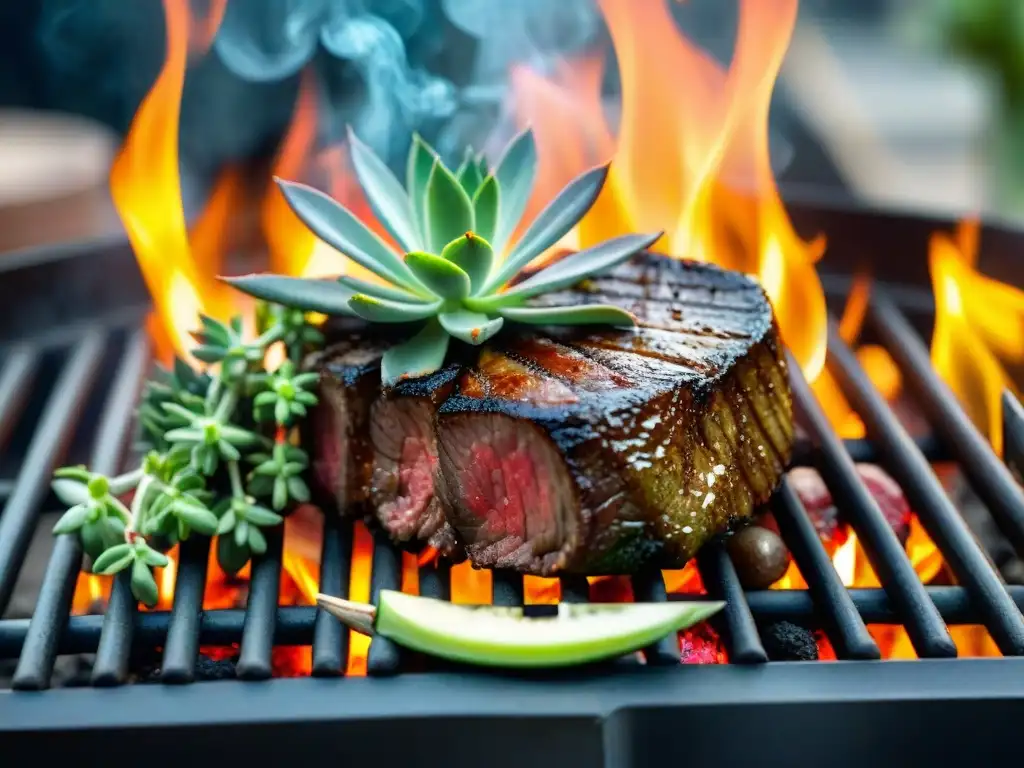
(504, 637)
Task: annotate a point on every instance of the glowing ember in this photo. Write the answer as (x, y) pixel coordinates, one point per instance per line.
(979, 330)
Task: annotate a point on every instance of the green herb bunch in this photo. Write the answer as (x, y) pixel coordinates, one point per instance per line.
(218, 455)
(452, 227)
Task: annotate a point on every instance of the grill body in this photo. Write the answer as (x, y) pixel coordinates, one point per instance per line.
(87, 355)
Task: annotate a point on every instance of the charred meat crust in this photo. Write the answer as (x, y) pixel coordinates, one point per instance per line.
(666, 434)
(589, 450)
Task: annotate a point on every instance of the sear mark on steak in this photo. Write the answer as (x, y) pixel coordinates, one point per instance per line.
(604, 451)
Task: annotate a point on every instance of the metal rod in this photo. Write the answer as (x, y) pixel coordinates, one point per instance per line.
(720, 581)
(330, 638)
(63, 407)
(436, 579)
(575, 589)
(865, 451)
(846, 630)
(896, 573)
(44, 630)
(989, 477)
(649, 587)
(255, 661)
(1013, 433)
(384, 657)
(15, 378)
(182, 647)
(111, 667)
(295, 626)
(507, 588)
(927, 497)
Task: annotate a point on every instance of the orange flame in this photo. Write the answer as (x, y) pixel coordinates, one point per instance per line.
(978, 337)
(691, 157)
(146, 190)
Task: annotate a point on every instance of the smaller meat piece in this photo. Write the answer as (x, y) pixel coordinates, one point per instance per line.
(831, 527)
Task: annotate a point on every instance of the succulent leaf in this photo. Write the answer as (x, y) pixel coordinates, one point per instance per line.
(481, 165)
(388, 200)
(421, 160)
(583, 264)
(386, 311)
(551, 224)
(471, 327)
(422, 354)
(377, 289)
(515, 174)
(444, 278)
(486, 208)
(473, 255)
(587, 314)
(469, 174)
(449, 210)
(309, 295)
(340, 229)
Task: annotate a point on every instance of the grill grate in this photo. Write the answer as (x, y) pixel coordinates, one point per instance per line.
(843, 614)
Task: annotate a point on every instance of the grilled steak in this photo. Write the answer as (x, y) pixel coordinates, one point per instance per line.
(405, 462)
(589, 451)
(349, 385)
(607, 451)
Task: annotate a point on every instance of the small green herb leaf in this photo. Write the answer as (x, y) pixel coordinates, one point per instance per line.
(443, 277)
(551, 224)
(388, 200)
(470, 327)
(486, 207)
(588, 314)
(515, 174)
(422, 354)
(385, 311)
(143, 584)
(231, 556)
(114, 559)
(72, 520)
(449, 209)
(309, 295)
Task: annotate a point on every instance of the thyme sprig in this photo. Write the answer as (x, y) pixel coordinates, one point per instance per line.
(199, 429)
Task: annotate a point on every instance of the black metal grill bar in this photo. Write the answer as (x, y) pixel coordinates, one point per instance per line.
(649, 587)
(989, 477)
(330, 638)
(1013, 432)
(721, 581)
(182, 647)
(936, 512)
(296, 624)
(18, 371)
(850, 638)
(384, 656)
(889, 559)
(575, 589)
(864, 451)
(435, 580)
(254, 662)
(63, 407)
(111, 667)
(35, 667)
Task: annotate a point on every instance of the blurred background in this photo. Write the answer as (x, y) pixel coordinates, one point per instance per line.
(914, 104)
